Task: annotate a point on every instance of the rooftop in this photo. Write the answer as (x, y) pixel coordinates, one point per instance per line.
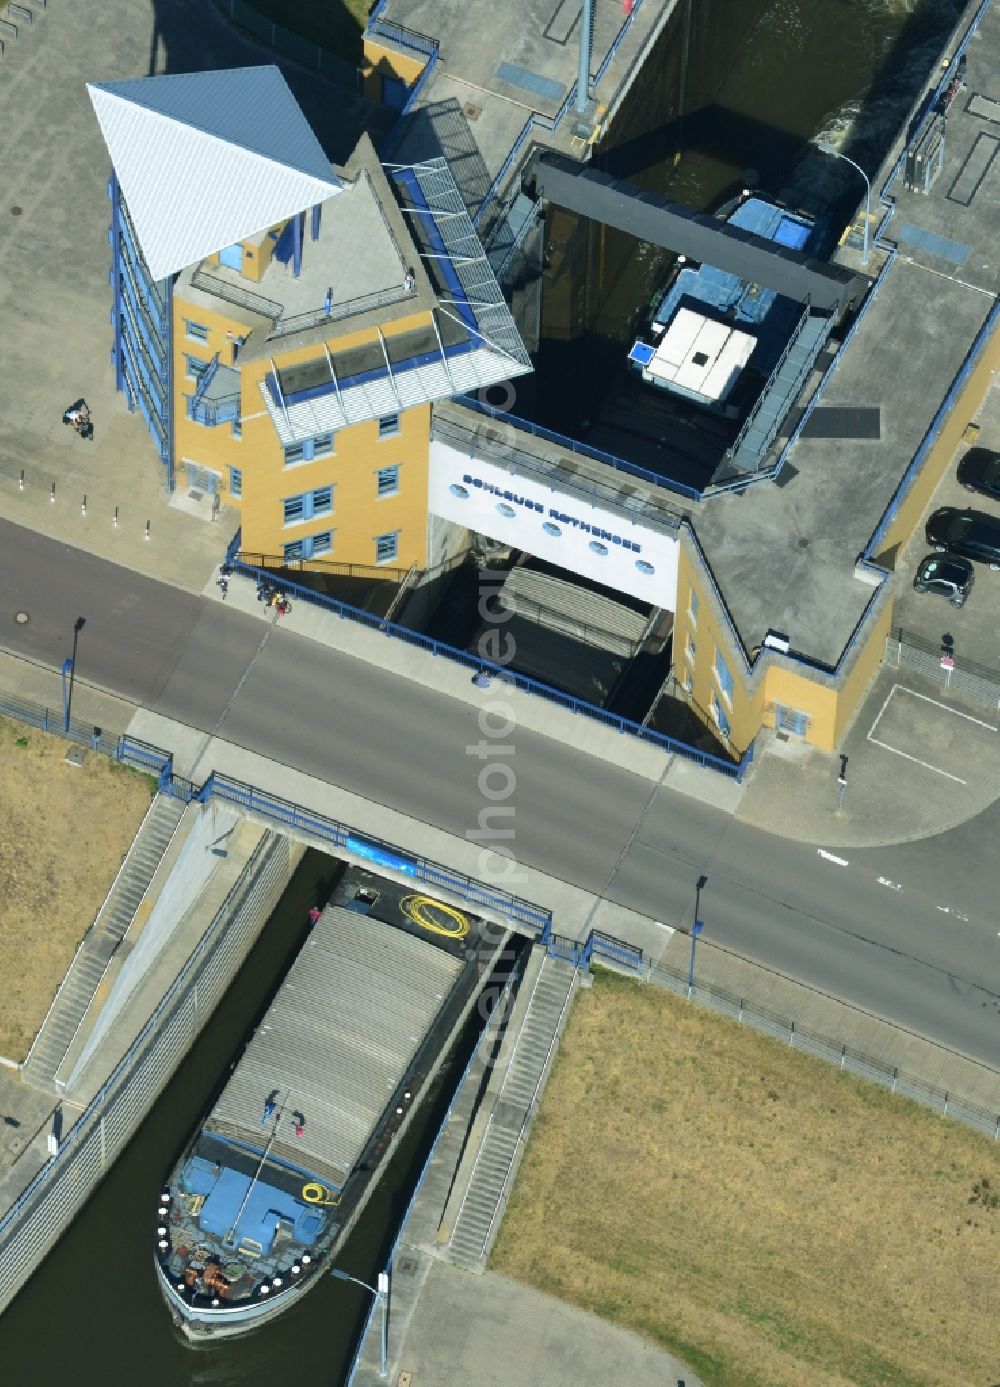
(784, 552)
(205, 159)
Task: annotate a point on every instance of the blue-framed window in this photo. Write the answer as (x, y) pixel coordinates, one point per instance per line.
(386, 547)
(236, 481)
(719, 716)
(308, 504)
(388, 425)
(387, 481)
(791, 720)
(309, 448)
(724, 677)
(311, 547)
(232, 256)
(194, 366)
(198, 332)
(693, 605)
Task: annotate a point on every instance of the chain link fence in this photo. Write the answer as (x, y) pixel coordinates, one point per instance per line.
(44, 1211)
(844, 1056)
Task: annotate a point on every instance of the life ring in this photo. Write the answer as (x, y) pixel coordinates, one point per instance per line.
(315, 1193)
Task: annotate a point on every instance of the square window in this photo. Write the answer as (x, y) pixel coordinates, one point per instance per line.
(388, 425)
(197, 331)
(293, 551)
(690, 650)
(295, 452)
(386, 547)
(235, 481)
(724, 678)
(322, 501)
(322, 543)
(322, 445)
(387, 481)
(194, 366)
(294, 509)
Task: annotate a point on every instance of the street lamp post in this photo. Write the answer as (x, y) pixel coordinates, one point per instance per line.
(381, 1294)
(68, 671)
(836, 154)
(696, 929)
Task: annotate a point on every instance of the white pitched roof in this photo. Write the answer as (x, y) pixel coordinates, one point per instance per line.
(206, 159)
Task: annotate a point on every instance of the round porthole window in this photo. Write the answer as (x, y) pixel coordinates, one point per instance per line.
(596, 547)
(462, 492)
(551, 529)
(506, 510)
(644, 566)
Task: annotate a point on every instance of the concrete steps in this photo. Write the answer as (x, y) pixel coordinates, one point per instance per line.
(113, 920)
(493, 1173)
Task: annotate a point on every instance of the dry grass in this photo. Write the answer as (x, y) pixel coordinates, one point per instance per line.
(767, 1218)
(63, 833)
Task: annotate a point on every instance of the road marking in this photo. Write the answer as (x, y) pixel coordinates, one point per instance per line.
(967, 717)
(893, 885)
(916, 760)
(948, 709)
(829, 857)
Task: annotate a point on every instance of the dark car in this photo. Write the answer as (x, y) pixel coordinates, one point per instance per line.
(979, 471)
(948, 577)
(972, 534)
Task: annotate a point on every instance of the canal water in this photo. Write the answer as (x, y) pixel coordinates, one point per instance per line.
(843, 71)
(735, 94)
(93, 1311)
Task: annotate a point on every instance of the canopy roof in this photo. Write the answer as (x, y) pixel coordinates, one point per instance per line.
(206, 159)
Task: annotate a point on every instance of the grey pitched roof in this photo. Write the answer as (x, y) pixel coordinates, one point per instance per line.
(205, 159)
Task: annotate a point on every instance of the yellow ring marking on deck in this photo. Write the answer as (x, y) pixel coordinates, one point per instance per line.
(315, 1193)
(417, 908)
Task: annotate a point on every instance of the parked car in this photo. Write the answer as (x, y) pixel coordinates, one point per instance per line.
(972, 534)
(947, 577)
(979, 471)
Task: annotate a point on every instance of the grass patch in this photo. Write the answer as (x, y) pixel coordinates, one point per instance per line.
(763, 1216)
(336, 25)
(65, 830)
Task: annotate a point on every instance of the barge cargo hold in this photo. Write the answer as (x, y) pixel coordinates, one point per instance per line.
(262, 1198)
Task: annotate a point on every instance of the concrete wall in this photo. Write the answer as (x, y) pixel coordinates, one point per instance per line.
(191, 871)
(381, 60)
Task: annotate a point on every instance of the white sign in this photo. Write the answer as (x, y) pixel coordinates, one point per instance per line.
(554, 524)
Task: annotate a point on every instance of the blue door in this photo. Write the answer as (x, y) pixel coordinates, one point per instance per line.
(394, 92)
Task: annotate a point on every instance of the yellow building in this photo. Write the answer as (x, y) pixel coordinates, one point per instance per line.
(285, 325)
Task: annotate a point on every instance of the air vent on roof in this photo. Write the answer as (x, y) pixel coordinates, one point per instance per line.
(777, 640)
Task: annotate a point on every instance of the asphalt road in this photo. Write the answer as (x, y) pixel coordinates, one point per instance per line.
(909, 933)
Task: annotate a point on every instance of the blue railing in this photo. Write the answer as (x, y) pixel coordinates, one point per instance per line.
(734, 770)
(581, 449)
(399, 33)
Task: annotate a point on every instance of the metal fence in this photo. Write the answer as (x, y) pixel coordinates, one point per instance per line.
(598, 947)
(845, 1057)
(733, 770)
(906, 650)
(288, 45)
(46, 1208)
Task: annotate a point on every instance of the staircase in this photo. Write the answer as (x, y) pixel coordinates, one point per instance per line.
(782, 389)
(76, 993)
(493, 1173)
